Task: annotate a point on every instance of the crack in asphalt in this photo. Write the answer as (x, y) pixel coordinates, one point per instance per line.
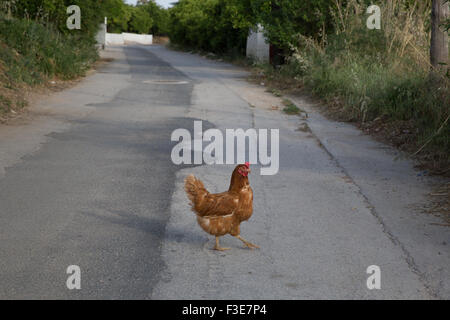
(407, 255)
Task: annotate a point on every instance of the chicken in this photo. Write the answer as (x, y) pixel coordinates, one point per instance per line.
(222, 213)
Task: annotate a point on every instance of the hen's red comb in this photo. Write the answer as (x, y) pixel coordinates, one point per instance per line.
(247, 164)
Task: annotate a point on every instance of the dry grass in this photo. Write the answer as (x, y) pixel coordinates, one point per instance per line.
(405, 28)
(378, 79)
(12, 99)
(161, 40)
(440, 203)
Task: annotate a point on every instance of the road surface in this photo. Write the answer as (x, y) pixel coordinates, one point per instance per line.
(87, 180)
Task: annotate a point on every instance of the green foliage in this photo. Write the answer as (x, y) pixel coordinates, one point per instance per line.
(366, 75)
(159, 16)
(212, 25)
(32, 52)
(446, 24)
(140, 22)
(368, 91)
(290, 108)
(5, 104)
(275, 92)
(146, 17)
(53, 12)
(118, 14)
(284, 20)
(382, 74)
(221, 26)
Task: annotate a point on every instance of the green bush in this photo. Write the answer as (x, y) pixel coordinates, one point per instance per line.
(376, 74)
(140, 22)
(32, 52)
(368, 88)
(53, 13)
(145, 17)
(219, 26)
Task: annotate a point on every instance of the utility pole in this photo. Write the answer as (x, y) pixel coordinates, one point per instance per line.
(439, 37)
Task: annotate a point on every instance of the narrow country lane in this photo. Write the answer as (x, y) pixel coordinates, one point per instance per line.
(88, 180)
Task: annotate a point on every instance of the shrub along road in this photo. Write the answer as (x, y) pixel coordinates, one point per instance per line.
(89, 181)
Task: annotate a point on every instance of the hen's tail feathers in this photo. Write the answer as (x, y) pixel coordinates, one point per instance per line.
(195, 191)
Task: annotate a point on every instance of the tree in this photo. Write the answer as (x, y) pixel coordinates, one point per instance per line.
(140, 22)
(118, 13)
(219, 26)
(158, 14)
(439, 36)
(283, 20)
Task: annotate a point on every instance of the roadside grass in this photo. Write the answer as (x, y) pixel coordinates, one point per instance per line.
(388, 97)
(405, 108)
(5, 104)
(440, 203)
(32, 54)
(290, 108)
(378, 79)
(275, 92)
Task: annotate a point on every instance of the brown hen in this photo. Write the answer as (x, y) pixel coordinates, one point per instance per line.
(222, 213)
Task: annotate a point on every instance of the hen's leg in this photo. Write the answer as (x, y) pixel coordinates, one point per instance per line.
(248, 244)
(217, 247)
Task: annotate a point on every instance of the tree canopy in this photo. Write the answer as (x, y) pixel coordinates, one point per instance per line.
(220, 25)
(146, 17)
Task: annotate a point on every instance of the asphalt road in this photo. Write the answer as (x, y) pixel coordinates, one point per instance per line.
(87, 180)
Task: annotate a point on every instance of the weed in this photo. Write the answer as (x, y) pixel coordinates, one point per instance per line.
(31, 54)
(290, 108)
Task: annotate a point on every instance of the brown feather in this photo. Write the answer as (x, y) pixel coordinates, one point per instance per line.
(221, 213)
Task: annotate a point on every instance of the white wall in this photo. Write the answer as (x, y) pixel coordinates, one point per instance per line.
(138, 38)
(257, 47)
(124, 38)
(114, 39)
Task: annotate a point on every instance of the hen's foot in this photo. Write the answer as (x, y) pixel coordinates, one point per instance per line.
(248, 244)
(218, 247)
(251, 245)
